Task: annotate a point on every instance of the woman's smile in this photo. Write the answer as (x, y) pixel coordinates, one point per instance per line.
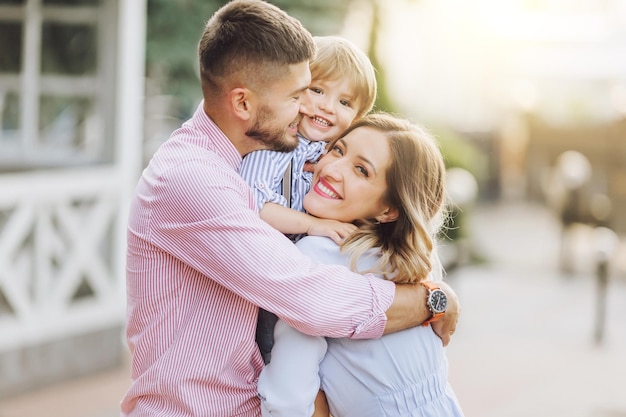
(325, 189)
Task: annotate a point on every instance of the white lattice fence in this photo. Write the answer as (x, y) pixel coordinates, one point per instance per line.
(61, 242)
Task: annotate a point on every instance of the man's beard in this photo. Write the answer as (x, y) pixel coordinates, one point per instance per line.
(272, 139)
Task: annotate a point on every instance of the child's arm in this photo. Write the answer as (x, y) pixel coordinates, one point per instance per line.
(290, 221)
(263, 171)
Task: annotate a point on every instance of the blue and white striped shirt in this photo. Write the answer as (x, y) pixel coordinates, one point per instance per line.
(264, 172)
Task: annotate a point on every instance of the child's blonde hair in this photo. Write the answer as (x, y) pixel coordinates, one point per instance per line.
(337, 57)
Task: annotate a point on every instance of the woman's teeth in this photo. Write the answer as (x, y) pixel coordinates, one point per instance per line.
(325, 190)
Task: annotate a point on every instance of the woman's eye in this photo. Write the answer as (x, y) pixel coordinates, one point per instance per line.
(337, 149)
(362, 170)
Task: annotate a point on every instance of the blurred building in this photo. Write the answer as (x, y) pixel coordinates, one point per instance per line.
(71, 91)
(524, 81)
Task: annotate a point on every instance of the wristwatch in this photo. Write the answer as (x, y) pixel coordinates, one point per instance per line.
(437, 301)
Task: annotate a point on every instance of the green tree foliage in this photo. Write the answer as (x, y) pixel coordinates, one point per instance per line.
(383, 100)
(320, 17)
(174, 28)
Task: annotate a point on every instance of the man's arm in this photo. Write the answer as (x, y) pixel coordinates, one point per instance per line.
(409, 309)
(289, 221)
(217, 233)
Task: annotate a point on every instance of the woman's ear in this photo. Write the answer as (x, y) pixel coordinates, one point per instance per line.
(240, 103)
(389, 215)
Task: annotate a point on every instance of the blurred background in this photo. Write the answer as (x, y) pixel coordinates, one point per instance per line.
(527, 98)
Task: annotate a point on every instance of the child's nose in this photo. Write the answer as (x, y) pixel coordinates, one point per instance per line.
(328, 106)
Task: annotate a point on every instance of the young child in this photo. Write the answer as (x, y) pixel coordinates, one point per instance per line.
(343, 88)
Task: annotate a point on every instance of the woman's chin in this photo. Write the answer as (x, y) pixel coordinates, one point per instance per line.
(314, 208)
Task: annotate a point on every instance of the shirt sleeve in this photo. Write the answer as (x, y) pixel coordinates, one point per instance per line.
(289, 383)
(201, 213)
(263, 171)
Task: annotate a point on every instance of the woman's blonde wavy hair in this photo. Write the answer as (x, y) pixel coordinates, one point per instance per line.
(416, 188)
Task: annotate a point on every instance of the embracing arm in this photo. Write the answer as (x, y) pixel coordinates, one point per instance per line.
(409, 309)
(289, 383)
(219, 236)
(289, 221)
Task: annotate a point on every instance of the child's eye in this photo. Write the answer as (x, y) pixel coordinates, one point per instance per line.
(345, 103)
(316, 90)
(337, 149)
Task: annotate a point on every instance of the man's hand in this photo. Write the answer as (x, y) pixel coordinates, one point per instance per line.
(446, 326)
(409, 309)
(333, 229)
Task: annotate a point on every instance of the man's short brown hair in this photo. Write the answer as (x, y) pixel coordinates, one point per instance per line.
(250, 40)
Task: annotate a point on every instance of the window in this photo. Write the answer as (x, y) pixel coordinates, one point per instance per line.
(57, 69)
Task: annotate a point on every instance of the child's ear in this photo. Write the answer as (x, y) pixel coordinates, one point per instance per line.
(389, 215)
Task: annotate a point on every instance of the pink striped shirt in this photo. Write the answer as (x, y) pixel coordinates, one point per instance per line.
(199, 263)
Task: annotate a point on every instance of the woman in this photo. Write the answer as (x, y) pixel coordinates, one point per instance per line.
(386, 175)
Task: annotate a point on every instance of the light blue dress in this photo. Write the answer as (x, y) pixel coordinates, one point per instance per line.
(400, 374)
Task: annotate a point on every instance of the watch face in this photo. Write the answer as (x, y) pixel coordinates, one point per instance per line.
(438, 301)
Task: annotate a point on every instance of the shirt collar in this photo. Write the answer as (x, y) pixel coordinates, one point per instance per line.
(215, 139)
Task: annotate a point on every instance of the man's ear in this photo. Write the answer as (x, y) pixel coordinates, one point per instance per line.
(389, 215)
(240, 102)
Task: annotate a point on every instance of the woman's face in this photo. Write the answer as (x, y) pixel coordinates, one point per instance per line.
(349, 182)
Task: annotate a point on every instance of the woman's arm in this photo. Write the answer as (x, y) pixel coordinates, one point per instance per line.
(289, 383)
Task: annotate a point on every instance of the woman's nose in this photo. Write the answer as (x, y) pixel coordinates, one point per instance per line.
(333, 169)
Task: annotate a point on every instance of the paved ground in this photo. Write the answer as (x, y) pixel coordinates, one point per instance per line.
(525, 343)
(524, 346)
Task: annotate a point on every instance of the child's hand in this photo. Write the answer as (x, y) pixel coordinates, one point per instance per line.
(333, 229)
(309, 166)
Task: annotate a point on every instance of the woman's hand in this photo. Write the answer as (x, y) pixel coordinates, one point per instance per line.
(321, 405)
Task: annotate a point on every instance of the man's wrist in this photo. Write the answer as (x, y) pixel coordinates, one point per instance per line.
(408, 308)
(436, 301)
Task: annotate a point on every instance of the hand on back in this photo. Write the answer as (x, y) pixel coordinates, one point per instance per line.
(446, 326)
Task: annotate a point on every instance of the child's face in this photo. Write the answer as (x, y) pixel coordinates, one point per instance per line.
(331, 107)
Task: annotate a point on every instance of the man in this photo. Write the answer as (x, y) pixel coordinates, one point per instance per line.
(200, 261)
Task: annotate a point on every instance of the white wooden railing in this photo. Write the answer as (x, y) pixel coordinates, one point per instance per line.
(62, 242)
